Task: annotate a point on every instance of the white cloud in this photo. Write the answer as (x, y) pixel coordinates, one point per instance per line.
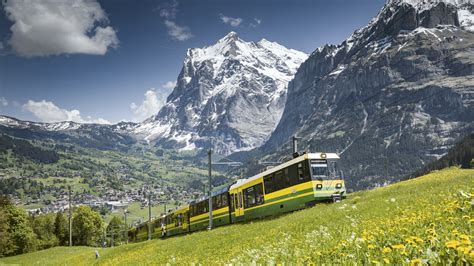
(54, 27)
(150, 106)
(169, 85)
(3, 102)
(168, 10)
(234, 22)
(256, 22)
(179, 33)
(48, 112)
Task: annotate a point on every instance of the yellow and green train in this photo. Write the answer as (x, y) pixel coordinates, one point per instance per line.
(293, 185)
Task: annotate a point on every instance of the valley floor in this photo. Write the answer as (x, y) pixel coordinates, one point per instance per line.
(429, 219)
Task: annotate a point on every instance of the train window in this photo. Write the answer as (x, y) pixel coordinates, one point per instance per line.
(224, 200)
(232, 207)
(319, 170)
(300, 172)
(259, 197)
(219, 201)
(281, 180)
(249, 197)
(293, 174)
(239, 200)
(214, 202)
(303, 172)
(253, 196)
(332, 167)
(269, 184)
(287, 177)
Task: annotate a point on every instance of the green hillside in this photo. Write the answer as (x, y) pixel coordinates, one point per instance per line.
(425, 220)
(37, 173)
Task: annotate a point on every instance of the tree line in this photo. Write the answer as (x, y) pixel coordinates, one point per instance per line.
(26, 150)
(20, 233)
(462, 154)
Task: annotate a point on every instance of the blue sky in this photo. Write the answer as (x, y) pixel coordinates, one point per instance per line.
(117, 59)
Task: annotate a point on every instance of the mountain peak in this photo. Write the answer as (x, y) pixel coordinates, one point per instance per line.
(231, 36)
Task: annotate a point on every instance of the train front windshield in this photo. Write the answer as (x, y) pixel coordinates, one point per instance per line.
(324, 170)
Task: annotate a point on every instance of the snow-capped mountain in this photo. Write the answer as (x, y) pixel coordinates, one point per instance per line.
(20, 124)
(231, 93)
(393, 96)
(88, 135)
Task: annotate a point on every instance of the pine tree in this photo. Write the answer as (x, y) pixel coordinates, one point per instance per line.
(61, 228)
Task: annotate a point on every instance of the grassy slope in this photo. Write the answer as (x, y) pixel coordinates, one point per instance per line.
(430, 218)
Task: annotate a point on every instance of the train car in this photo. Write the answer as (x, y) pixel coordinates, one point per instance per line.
(294, 185)
(199, 211)
(177, 222)
(139, 233)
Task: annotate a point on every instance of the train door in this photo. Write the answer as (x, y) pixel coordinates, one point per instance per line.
(184, 221)
(239, 208)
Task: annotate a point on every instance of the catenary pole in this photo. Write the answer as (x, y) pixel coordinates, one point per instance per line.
(149, 214)
(70, 217)
(126, 226)
(210, 187)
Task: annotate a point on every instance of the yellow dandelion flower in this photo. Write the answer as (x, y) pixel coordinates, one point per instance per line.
(471, 254)
(464, 250)
(398, 246)
(416, 262)
(386, 250)
(452, 244)
(370, 246)
(386, 260)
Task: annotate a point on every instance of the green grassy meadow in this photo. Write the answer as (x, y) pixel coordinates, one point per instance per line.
(135, 212)
(427, 220)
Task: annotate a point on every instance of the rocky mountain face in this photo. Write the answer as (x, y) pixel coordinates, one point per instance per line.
(231, 93)
(394, 96)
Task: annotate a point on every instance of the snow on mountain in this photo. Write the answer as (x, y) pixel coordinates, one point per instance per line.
(99, 136)
(427, 4)
(464, 9)
(232, 92)
(57, 126)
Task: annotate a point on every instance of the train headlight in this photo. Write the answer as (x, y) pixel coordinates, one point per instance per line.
(323, 155)
(338, 185)
(319, 186)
